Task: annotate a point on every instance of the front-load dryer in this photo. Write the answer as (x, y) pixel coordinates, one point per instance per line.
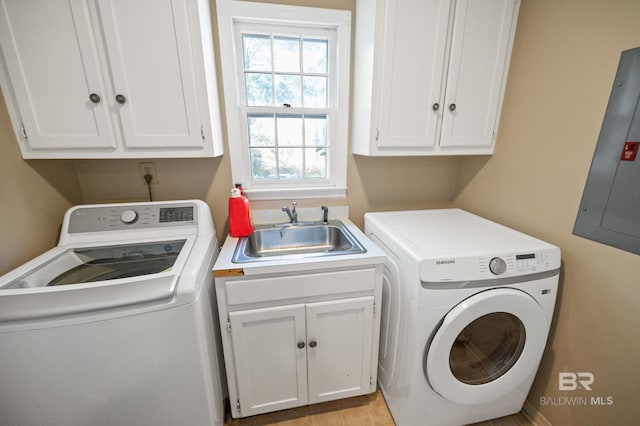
(466, 312)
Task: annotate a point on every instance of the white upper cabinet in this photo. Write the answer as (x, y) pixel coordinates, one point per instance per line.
(430, 75)
(110, 78)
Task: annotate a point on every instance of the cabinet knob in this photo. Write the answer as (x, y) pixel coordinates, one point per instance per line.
(95, 98)
(300, 345)
(313, 344)
(436, 106)
(452, 107)
(121, 99)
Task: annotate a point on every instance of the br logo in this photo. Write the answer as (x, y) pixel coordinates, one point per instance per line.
(569, 381)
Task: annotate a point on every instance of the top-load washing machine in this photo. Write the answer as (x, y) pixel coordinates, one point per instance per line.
(117, 324)
(467, 307)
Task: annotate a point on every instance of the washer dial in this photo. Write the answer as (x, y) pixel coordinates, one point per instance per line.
(497, 266)
(129, 216)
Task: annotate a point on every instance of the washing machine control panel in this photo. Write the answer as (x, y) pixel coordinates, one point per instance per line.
(117, 218)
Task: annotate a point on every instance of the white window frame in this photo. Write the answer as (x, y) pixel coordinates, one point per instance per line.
(235, 14)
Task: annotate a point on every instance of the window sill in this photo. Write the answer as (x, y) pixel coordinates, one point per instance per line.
(296, 193)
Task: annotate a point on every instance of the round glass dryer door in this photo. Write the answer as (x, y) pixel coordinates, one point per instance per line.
(486, 346)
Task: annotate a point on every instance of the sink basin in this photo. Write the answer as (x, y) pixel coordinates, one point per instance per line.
(309, 240)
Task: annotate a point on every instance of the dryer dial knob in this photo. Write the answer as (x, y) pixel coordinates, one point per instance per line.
(497, 266)
(129, 216)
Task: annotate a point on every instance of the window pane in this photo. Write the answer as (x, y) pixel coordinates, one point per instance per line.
(314, 56)
(288, 90)
(316, 162)
(263, 163)
(262, 130)
(257, 52)
(315, 92)
(289, 130)
(286, 54)
(259, 89)
(315, 130)
(290, 163)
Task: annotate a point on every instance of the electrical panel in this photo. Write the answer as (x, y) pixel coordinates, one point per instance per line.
(610, 208)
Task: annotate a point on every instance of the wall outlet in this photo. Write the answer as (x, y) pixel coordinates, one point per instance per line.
(148, 168)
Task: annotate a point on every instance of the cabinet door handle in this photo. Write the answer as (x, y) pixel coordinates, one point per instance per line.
(121, 99)
(313, 344)
(95, 98)
(452, 107)
(436, 106)
(300, 345)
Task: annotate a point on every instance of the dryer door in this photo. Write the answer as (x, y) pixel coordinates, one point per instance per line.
(487, 346)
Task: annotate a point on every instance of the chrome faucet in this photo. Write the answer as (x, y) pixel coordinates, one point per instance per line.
(293, 215)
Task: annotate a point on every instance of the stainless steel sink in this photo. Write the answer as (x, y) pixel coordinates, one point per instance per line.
(310, 239)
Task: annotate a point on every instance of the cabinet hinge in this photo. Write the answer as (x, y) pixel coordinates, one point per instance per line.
(23, 130)
(202, 132)
(238, 404)
(228, 325)
(377, 135)
(375, 307)
(370, 381)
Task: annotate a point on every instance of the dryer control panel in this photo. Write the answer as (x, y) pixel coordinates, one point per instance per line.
(512, 264)
(490, 266)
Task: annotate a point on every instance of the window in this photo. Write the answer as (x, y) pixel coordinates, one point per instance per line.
(286, 74)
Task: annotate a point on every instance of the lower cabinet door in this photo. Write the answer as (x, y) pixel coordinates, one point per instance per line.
(339, 339)
(270, 355)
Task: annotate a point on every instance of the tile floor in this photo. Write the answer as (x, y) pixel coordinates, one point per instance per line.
(366, 410)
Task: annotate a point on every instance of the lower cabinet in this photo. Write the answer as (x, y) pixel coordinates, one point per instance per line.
(298, 338)
(292, 355)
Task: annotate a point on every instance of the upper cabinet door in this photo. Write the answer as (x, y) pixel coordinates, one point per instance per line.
(54, 75)
(413, 61)
(154, 80)
(480, 48)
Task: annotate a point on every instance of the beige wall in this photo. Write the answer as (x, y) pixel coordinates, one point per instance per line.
(564, 61)
(33, 198)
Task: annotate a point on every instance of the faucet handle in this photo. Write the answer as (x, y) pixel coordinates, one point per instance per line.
(294, 204)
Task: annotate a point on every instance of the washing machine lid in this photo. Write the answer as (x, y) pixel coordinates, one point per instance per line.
(487, 346)
(82, 265)
(73, 279)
